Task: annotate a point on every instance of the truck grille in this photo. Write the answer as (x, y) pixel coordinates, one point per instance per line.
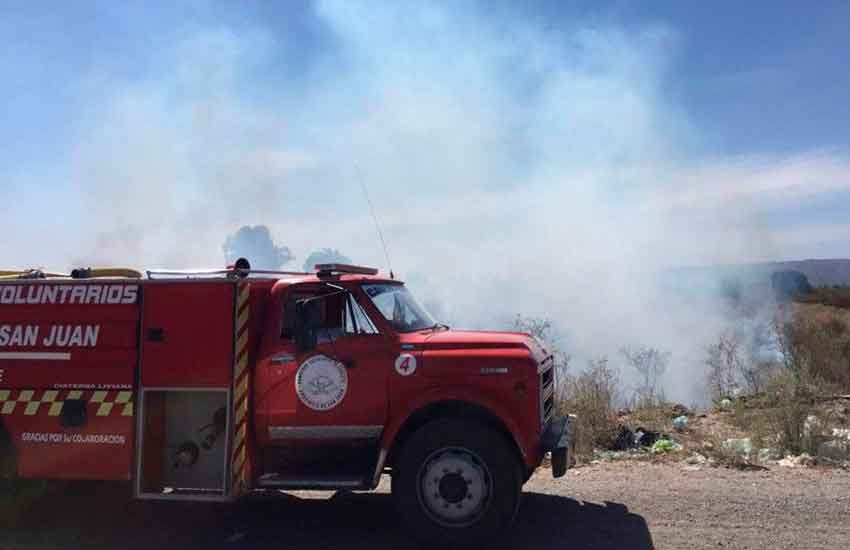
(546, 373)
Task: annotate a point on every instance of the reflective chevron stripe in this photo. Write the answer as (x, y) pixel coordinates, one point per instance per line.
(241, 385)
(51, 402)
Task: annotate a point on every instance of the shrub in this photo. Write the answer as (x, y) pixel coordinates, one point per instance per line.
(650, 364)
(725, 362)
(813, 345)
(817, 340)
(733, 366)
(786, 416)
(791, 400)
(592, 396)
(724, 454)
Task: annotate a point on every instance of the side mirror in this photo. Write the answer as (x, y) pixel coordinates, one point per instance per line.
(307, 320)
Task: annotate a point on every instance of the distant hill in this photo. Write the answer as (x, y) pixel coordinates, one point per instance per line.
(819, 272)
(751, 280)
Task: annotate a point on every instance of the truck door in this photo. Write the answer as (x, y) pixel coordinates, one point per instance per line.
(334, 392)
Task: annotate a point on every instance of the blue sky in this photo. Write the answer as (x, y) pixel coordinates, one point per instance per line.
(754, 76)
(522, 157)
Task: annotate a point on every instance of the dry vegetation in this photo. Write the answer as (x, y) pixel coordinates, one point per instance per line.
(592, 396)
(817, 340)
(781, 406)
(835, 296)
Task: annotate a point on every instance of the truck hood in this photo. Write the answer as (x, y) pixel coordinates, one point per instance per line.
(471, 340)
(452, 353)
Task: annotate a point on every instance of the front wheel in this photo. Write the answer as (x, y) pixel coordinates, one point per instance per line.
(457, 482)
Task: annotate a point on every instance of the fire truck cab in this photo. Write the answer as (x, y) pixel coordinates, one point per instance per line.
(211, 385)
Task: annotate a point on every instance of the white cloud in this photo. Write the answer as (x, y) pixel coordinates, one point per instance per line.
(765, 181)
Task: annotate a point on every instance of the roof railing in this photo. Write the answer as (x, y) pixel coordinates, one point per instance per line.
(240, 269)
(78, 273)
(105, 272)
(14, 274)
(189, 273)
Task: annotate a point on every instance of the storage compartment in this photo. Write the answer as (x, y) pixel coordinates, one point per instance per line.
(184, 443)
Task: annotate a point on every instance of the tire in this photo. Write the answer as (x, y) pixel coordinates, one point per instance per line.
(17, 495)
(8, 466)
(8, 480)
(457, 483)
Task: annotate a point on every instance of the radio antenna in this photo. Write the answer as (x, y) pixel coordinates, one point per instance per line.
(377, 226)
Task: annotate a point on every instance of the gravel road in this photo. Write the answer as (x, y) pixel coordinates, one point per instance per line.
(627, 506)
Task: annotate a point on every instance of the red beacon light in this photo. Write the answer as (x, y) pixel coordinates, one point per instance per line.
(240, 268)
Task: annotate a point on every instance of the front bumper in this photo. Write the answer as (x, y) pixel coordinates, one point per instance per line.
(559, 438)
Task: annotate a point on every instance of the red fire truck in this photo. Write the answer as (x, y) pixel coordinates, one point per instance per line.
(211, 385)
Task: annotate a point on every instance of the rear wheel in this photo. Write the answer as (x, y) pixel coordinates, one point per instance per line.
(8, 467)
(16, 494)
(8, 474)
(457, 482)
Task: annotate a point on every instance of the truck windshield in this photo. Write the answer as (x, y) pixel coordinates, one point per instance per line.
(399, 307)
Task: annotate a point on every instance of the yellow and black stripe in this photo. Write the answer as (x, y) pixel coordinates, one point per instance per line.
(241, 386)
(29, 402)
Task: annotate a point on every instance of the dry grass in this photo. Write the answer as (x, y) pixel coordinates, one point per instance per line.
(817, 340)
(815, 346)
(828, 296)
(789, 416)
(715, 447)
(591, 396)
(651, 415)
(786, 414)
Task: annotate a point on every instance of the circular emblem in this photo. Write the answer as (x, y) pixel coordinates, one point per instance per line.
(405, 364)
(321, 383)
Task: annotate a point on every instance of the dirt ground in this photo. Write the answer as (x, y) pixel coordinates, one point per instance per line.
(627, 505)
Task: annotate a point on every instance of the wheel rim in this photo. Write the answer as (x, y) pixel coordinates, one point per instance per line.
(454, 486)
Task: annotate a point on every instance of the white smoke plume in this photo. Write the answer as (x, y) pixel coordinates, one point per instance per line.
(325, 256)
(255, 243)
(515, 168)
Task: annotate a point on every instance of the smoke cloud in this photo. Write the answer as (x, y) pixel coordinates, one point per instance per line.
(256, 244)
(515, 169)
(325, 256)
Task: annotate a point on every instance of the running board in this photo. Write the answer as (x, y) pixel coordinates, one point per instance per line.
(316, 483)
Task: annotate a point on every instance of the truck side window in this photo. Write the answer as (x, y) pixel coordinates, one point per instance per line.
(329, 311)
(287, 322)
(341, 315)
(287, 329)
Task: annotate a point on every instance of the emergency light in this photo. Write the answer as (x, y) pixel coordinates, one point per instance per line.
(328, 269)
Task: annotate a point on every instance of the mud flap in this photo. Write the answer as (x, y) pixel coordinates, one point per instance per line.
(559, 439)
(16, 494)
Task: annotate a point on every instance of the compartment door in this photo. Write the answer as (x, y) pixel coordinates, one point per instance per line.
(185, 424)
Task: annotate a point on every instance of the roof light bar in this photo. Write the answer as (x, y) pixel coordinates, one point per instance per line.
(327, 269)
